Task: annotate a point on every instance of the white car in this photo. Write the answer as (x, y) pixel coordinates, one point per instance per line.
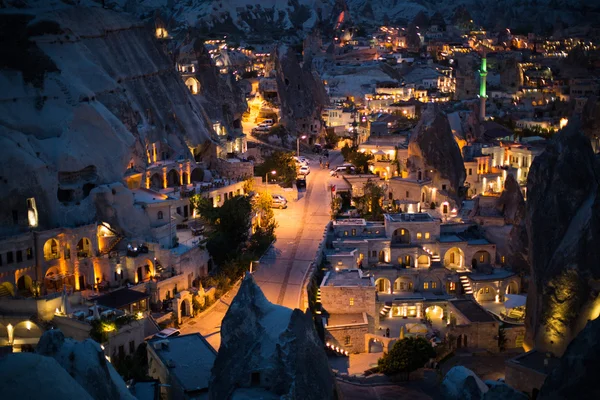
(167, 332)
(301, 160)
(304, 170)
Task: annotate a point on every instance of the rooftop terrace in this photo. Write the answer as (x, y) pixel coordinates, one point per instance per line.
(403, 217)
(346, 277)
(472, 311)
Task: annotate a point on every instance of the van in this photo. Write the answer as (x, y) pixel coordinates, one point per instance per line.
(167, 332)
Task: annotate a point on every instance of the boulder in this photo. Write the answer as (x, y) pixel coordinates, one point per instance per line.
(512, 206)
(501, 391)
(269, 347)
(461, 383)
(85, 363)
(563, 226)
(576, 375)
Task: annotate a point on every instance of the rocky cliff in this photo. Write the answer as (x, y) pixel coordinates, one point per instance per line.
(301, 92)
(61, 369)
(461, 383)
(268, 346)
(576, 376)
(432, 146)
(563, 226)
(84, 92)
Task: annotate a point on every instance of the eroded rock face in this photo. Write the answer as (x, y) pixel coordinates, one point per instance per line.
(512, 206)
(269, 346)
(301, 92)
(576, 376)
(432, 146)
(87, 96)
(563, 225)
(461, 383)
(85, 363)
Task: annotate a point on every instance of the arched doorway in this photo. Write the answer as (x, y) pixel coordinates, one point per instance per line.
(454, 258)
(486, 293)
(383, 285)
(382, 258)
(51, 250)
(192, 84)
(375, 346)
(24, 283)
(459, 341)
(401, 236)
(185, 177)
(145, 271)
(512, 288)
(197, 175)
(156, 181)
(423, 261)
(403, 284)
(173, 178)
(434, 313)
(481, 257)
(84, 248)
(184, 310)
(406, 261)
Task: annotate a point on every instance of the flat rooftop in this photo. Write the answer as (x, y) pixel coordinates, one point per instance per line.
(497, 273)
(405, 217)
(346, 319)
(472, 311)
(120, 298)
(189, 359)
(346, 277)
(535, 360)
(350, 221)
(147, 196)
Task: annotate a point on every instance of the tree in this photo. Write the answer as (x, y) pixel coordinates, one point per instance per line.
(282, 163)
(359, 159)
(370, 203)
(407, 355)
(331, 139)
(204, 208)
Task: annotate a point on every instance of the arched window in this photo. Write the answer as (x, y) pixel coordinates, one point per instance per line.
(159, 215)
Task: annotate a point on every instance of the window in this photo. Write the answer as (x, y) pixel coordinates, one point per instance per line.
(426, 235)
(345, 233)
(502, 259)
(433, 285)
(29, 253)
(487, 290)
(9, 257)
(351, 301)
(407, 194)
(419, 235)
(443, 187)
(159, 215)
(347, 341)
(402, 232)
(481, 258)
(131, 347)
(410, 286)
(218, 198)
(374, 253)
(353, 232)
(425, 285)
(452, 286)
(470, 171)
(19, 256)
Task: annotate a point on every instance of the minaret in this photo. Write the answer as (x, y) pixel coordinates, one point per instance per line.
(482, 89)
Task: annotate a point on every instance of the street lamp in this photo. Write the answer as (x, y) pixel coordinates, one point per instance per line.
(298, 144)
(267, 178)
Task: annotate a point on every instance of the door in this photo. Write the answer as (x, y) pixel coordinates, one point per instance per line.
(81, 282)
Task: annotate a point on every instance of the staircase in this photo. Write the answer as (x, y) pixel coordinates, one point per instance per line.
(112, 244)
(4, 292)
(386, 309)
(466, 285)
(433, 256)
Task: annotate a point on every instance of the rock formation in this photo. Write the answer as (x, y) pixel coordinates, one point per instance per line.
(270, 347)
(85, 92)
(563, 225)
(301, 92)
(576, 376)
(432, 146)
(512, 206)
(85, 363)
(461, 383)
(61, 369)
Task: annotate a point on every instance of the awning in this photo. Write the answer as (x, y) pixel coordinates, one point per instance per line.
(514, 301)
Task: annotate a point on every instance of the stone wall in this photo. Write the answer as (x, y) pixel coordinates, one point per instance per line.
(233, 170)
(481, 335)
(336, 300)
(337, 336)
(514, 337)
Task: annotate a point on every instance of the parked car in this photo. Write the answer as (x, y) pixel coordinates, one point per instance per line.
(301, 160)
(342, 169)
(317, 148)
(261, 129)
(304, 170)
(167, 332)
(278, 201)
(301, 183)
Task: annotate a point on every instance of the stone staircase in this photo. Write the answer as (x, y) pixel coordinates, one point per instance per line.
(386, 309)
(466, 285)
(112, 244)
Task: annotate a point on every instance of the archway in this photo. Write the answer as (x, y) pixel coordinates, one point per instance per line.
(84, 248)
(156, 181)
(173, 178)
(383, 285)
(423, 261)
(375, 346)
(185, 178)
(401, 236)
(512, 288)
(24, 283)
(406, 260)
(192, 84)
(481, 257)
(454, 258)
(435, 312)
(403, 284)
(184, 310)
(51, 250)
(197, 175)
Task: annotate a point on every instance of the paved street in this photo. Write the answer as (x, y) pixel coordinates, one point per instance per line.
(281, 272)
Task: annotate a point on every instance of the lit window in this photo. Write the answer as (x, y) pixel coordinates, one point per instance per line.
(426, 285)
(426, 235)
(419, 235)
(503, 259)
(218, 198)
(347, 341)
(487, 290)
(452, 287)
(345, 233)
(481, 258)
(353, 232)
(351, 301)
(433, 285)
(402, 232)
